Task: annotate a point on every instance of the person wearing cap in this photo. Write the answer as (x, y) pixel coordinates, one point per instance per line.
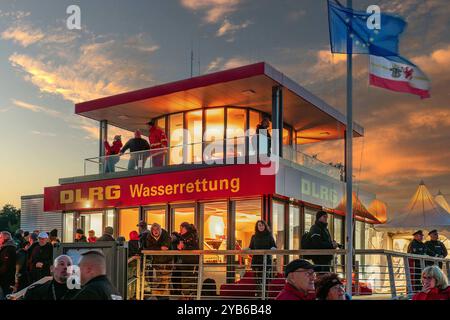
(330, 287)
(107, 235)
(41, 258)
(143, 234)
(435, 247)
(136, 146)
(53, 238)
(320, 238)
(79, 236)
(111, 153)
(300, 277)
(57, 288)
(416, 246)
(158, 143)
(95, 284)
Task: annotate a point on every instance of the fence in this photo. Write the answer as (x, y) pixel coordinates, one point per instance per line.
(188, 274)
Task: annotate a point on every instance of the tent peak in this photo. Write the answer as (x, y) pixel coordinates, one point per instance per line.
(422, 183)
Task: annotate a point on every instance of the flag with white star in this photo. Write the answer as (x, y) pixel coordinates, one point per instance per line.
(345, 22)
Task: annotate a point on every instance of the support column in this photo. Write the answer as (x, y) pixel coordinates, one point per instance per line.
(103, 134)
(277, 120)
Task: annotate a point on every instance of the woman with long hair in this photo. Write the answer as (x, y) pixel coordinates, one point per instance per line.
(262, 240)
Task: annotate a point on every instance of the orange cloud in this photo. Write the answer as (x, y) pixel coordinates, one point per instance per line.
(215, 9)
(23, 34)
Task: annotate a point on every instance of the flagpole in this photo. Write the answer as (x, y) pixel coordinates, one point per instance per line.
(349, 163)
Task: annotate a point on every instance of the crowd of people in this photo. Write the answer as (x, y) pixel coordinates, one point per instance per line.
(28, 257)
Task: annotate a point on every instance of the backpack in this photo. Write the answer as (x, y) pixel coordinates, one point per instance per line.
(306, 243)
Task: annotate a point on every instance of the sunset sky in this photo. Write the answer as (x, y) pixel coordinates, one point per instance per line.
(124, 45)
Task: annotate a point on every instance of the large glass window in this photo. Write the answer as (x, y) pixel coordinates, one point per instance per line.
(294, 227)
(278, 223)
(215, 226)
(254, 120)
(110, 222)
(180, 215)
(338, 224)
(359, 234)
(248, 212)
(176, 138)
(195, 136)
(156, 215)
(68, 226)
(236, 123)
(310, 218)
(128, 219)
(214, 133)
(92, 221)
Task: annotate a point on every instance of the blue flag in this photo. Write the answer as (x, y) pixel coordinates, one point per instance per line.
(343, 21)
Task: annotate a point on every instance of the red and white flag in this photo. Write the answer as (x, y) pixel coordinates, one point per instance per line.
(398, 74)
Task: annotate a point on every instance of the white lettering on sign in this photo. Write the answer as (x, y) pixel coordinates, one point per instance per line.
(312, 189)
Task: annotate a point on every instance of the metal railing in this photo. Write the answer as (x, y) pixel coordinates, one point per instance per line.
(378, 274)
(228, 151)
(134, 278)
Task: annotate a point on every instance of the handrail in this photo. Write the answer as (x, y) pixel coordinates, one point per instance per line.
(20, 294)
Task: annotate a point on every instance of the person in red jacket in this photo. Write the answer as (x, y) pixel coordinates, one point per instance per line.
(112, 152)
(300, 277)
(158, 143)
(435, 285)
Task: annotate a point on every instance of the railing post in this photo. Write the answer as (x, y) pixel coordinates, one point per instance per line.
(357, 291)
(391, 276)
(407, 275)
(200, 277)
(447, 265)
(138, 279)
(144, 262)
(264, 277)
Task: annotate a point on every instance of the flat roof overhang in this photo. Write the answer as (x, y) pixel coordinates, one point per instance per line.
(247, 86)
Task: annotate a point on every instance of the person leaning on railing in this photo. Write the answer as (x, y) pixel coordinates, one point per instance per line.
(435, 285)
(135, 145)
(159, 239)
(111, 153)
(186, 268)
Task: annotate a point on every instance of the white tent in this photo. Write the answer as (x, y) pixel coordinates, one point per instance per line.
(422, 213)
(440, 199)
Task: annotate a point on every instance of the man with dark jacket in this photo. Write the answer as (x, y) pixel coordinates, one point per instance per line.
(135, 145)
(79, 236)
(57, 288)
(159, 239)
(416, 246)
(320, 238)
(107, 235)
(143, 233)
(435, 247)
(7, 263)
(41, 258)
(95, 283)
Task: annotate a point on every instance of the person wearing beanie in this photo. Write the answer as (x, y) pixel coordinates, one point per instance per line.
(330, 287)
(320, 238)
(79, 236)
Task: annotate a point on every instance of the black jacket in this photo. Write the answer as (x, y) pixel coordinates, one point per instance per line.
(133, 248)
(417, 247)
(136, 144)
(152, 243)
(106, 237)
(261, 241)
(82, 239)
(99, 288)
(436, 249)
(191, 242)
(320, 238)
(7, 265)
(51, 290)
(43, 254)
